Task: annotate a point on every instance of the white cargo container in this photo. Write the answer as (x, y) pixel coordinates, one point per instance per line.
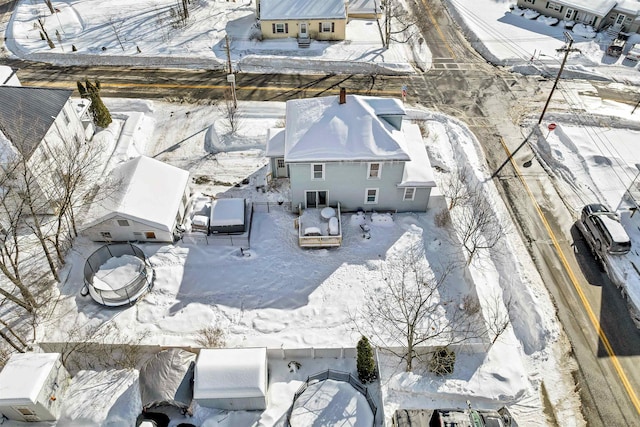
(31, 387)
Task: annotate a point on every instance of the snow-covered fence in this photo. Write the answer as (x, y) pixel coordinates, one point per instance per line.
(330, 374)
(312, 353)
(269, 206)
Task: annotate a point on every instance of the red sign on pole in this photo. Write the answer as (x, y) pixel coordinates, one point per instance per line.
(551, 126)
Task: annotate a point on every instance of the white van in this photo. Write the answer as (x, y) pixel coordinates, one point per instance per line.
(603, 231)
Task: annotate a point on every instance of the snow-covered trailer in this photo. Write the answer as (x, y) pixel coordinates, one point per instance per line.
(31, 387)
(231, 378)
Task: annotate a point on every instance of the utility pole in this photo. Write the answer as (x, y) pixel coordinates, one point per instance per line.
(564, 60)
(231, 78)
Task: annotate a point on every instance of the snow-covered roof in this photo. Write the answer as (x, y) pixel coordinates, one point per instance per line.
(275, 142)
(322, 129)
(23, 377)
(417, 171)
(364, 6)
(597, 7)
(628, 6)
(147, 190)
(230, 373)
(302, 9)
(615, 228)
(101, 398)
(227, 212)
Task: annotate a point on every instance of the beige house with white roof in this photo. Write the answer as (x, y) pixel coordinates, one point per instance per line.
(302, 19)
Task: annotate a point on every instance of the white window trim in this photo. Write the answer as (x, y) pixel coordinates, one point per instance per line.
(379, 170)
(554, 6)
(326, 27)
(313, 175)
(413, 195)
(280, 26)
(366, 196)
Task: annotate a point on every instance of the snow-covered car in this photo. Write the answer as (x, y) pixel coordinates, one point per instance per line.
(634, 53)
(603, 231)
(617, 46)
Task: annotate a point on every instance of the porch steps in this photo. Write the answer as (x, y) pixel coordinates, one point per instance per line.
(304, 42)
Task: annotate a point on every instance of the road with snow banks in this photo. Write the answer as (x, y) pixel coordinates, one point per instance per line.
(502, 110)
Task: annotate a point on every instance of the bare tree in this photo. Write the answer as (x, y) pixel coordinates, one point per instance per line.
(50, 6)
(409, 311)
(478, 224)
(455, 187)
(398, 17)
(231, 113)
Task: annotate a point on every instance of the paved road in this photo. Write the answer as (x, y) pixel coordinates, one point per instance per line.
(605, 342)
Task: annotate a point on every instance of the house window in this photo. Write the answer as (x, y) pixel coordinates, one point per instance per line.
(137, 235)
(374, 171)
(123, 223)
(409, 193)
(317, 171)
(281, 28)
(25, 411)
(371, 196)
(327, 27)
(280, 163)
(554, 6)
(105, 234)
(149, 234)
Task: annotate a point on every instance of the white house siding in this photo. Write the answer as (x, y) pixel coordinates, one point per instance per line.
(122, 233)
(346, 182)
(591, 12)
(66, 129)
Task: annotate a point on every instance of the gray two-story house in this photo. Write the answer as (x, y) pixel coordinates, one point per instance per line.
(355, 150)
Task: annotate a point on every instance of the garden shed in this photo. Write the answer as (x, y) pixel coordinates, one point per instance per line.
(231, 379)
(228, 216)
(143, 199)
(31, 387)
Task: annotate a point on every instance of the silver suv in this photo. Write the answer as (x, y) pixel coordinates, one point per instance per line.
(602, 230)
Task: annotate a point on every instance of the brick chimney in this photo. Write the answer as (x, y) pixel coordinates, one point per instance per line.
(343, 95)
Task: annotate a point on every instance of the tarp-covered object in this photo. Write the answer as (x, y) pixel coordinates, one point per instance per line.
(167, 380)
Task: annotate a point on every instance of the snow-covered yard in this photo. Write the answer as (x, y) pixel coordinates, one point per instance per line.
(282, 295)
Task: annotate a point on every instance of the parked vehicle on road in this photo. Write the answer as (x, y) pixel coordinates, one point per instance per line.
(617, 45)
(603, 231)
(634, 53)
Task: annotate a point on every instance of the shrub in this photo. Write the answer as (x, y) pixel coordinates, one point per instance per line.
(442, 361)
(365, 363)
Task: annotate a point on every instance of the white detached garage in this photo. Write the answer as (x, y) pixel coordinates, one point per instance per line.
(143, 200)
(231, 378)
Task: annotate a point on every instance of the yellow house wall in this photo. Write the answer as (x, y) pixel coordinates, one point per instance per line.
(312, 28)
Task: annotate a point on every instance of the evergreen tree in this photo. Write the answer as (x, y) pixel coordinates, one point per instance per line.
(365, 363)
(101, 115)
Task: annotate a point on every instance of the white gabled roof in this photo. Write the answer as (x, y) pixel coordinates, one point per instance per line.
(628, 6)
(302, 9)
(147, 190)
(23, 377)
(417, 171)
(275, 142)
(322, 129)
(597, 7)
(230, 373)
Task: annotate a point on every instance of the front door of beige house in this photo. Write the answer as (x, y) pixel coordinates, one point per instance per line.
(316, 199)
(302, 33)
(619, 21)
